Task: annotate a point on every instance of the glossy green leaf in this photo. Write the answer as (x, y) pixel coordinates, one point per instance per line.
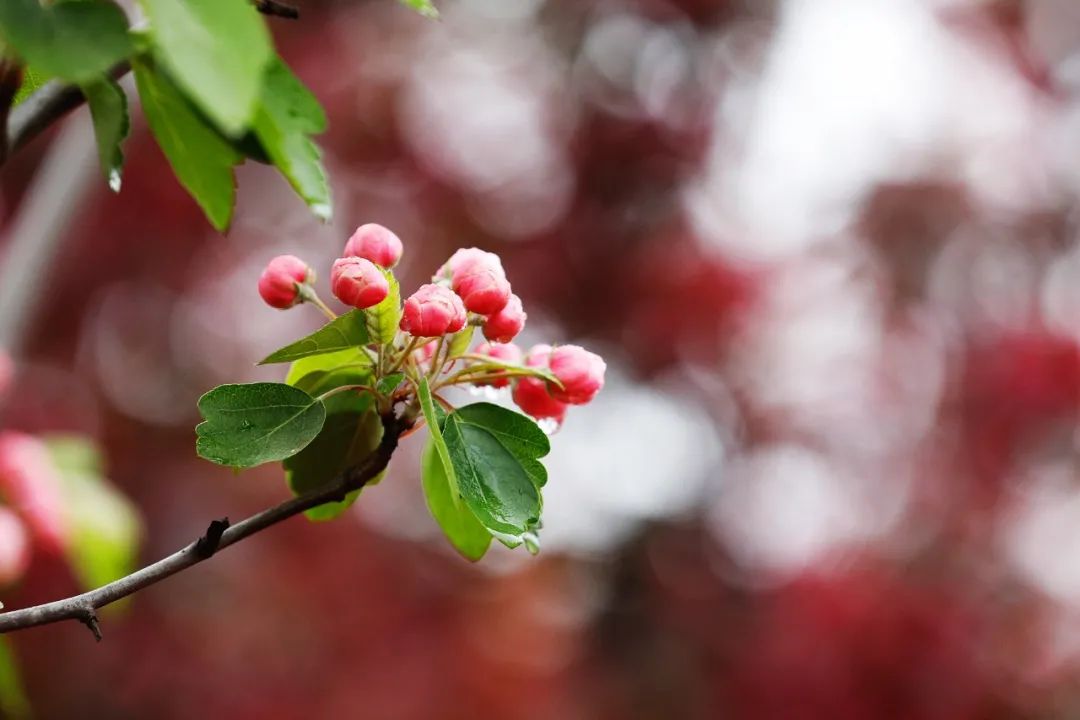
(76, 41)
(390, 383)
(351, 359)
(13, 701)
(202, 159)
(287, 114)
(247, 425)
(348, 331)
(460, 526)
(217, 50)
(424, 7)
(435, 418)
(384, 318)
(494, 454)
(345, 440)
(105, 527)
(109, 110)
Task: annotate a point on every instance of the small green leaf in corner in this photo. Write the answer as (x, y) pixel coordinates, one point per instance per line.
(424, 7)
(390, 383)
(109, 111)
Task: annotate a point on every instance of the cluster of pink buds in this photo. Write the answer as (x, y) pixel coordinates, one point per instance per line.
(33, 511)
(470, 290)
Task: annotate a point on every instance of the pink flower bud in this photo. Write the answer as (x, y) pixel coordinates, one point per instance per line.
(30, 483)
(14, 547)
(278, 282)
(375, 243)
(507, 352)
(531, 395)
(432, 311)
(483, 287)
(581, 372)
(426, 352)
(358, 282)
(463, 257)
(504, 325)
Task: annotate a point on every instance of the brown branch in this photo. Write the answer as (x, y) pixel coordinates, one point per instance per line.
(219, 536)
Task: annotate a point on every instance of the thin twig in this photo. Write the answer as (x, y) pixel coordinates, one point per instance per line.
(83, 607)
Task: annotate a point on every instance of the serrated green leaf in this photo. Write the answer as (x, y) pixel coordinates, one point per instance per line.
(383, 319)
(105, 527)
(424, 7)
(435, 419)
(109, 110)
(468, 536)
(286, 115)
(494, 452)
(217, 50)
(347, 331)
(390, 383)
(13, 701)
(202, 159)
(345, 440)
(255, 423)
(76, 41)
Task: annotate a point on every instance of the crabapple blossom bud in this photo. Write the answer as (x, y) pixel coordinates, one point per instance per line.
(463, 257)
(358, 282)
(31, 485)
(375, 243)
(426, 352)
(432, 311)
(507, 352)
(531, 395)
(278, 284)
(581, 373)
(14, 547)
(482, 285)
(504, 325)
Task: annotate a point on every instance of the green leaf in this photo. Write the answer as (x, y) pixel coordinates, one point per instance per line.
(345, 440)
(217, 50)
(459, 343)
(383, 319)
(109, 110)
(13, 701)
(435, 419)
(494, 454)
(348, 331)
(424, 7)
(390, 383)
(105, 527)
(32, 80)
(76, 41)
(286, 115)
(201, 158)
(351, 359)
(460, 526)
(247, 425)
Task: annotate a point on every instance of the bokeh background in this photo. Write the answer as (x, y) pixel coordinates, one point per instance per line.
(829, 249)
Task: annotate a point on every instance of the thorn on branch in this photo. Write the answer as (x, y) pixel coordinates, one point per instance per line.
(207, 545)
(277, 9)
(89, 618)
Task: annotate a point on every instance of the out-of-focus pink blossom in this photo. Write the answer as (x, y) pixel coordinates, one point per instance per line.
(504, 325)
(30, 483)
(581, 373)
(278, 282)
(14, 547)
(375, 243)
(358, 282)
(432, 311)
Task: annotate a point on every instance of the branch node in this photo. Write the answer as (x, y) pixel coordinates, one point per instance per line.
(88, 617)
(208, 544)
